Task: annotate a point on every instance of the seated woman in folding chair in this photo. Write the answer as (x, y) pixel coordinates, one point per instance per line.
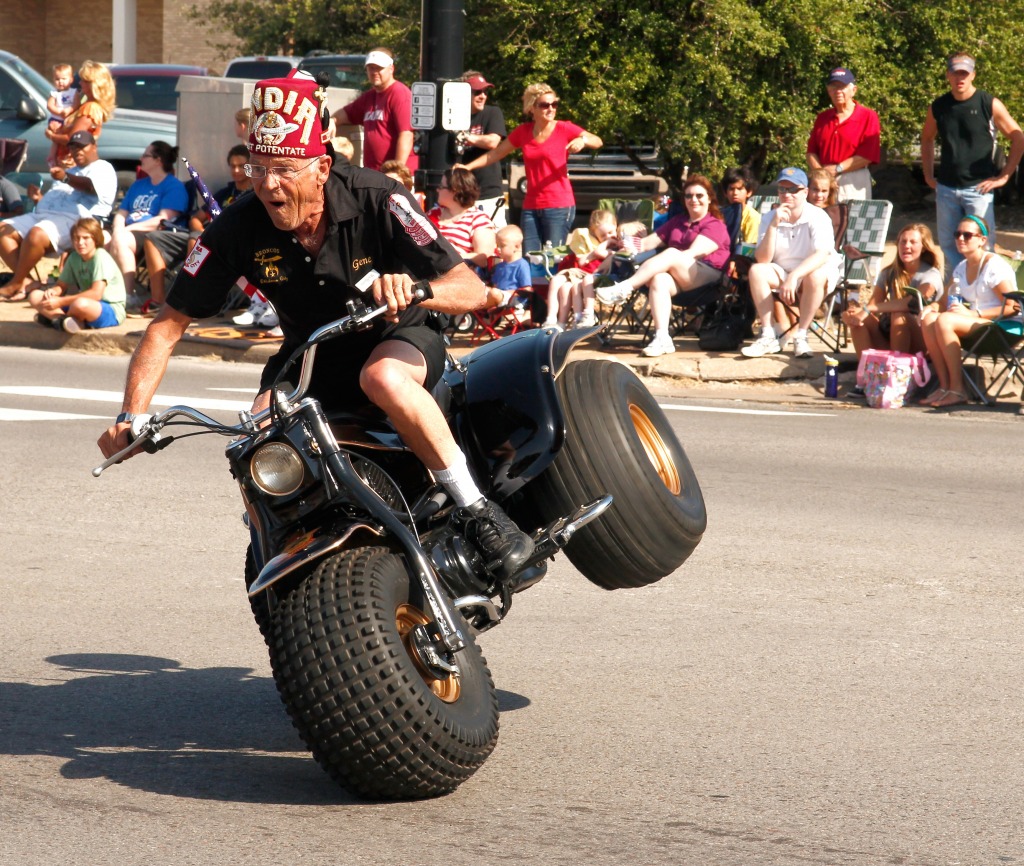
(468, 229)
(690, 269)
(891, 318)
(976, 294)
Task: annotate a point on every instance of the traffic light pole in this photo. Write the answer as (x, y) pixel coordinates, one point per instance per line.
(441, 52)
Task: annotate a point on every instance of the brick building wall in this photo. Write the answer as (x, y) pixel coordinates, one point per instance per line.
(40, 34)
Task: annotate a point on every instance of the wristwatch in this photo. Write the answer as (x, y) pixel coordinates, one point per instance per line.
(124, 418)
(839, 169)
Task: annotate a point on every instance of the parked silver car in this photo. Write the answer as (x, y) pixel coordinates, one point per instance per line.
(23, 95)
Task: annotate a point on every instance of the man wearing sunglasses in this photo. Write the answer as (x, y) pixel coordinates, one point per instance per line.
(486, 131)
(312, 238)
(87, 189)
(966, 121)
(794, 259)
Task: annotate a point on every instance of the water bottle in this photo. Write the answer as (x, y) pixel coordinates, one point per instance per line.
(954, 294)
(831, 377)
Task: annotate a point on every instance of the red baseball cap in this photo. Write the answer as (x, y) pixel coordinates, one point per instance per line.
(478, 82)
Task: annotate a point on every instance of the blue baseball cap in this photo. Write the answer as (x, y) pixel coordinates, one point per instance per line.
(793, 175)
(842, 75)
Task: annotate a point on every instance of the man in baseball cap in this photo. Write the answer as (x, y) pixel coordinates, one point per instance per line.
(385, 113)
(846, 138)
(486, 131)
(87, 189)
(795, 259)
(314, 238)
(965, 121)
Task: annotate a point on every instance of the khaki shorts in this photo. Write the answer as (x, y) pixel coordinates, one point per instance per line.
(57, 227)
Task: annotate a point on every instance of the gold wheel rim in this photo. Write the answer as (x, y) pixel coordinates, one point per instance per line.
(657, 450)
(407, 617)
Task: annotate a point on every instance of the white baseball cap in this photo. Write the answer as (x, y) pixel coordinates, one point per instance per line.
(379, 58)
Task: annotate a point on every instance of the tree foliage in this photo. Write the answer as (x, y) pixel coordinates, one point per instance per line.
(712, 82)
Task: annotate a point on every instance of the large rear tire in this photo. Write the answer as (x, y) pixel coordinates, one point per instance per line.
(375, 717)
(619, 441)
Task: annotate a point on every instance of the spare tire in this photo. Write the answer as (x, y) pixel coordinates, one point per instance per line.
(619, 441)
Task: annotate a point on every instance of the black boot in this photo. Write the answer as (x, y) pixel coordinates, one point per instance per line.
(504, 546)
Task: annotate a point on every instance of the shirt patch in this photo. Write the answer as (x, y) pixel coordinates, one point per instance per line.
(416, 225)
(195, 259)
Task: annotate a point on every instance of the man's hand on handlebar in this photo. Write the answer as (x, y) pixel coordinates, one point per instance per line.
(115, 439)
(398, 291)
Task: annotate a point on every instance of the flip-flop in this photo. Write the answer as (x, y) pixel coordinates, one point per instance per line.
(17, 296)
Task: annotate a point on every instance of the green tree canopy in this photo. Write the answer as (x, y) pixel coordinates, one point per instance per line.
(712, 83)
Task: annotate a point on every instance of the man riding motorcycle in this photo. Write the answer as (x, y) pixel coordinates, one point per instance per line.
(311, 238)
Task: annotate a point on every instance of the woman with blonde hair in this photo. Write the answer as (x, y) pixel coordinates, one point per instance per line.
(97, 107)
(891, 319)
(550, 207)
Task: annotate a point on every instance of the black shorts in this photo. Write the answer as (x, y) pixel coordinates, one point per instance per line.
(172, 246)
(336, 373)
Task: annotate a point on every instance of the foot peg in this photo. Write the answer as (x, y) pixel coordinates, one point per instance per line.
(548, 540)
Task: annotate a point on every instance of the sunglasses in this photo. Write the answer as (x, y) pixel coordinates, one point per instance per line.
(478, 92)
(791, 190)
(966, 236)
(696, 196)
(544, 106)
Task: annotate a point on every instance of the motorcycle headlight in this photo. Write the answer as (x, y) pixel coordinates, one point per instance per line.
(277, 469)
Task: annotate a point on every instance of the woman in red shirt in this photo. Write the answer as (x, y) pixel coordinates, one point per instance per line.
(550, 207)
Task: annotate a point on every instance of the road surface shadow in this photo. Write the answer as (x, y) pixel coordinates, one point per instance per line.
(148, 723)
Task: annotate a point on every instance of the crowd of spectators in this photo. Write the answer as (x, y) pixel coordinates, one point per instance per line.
(787, 258)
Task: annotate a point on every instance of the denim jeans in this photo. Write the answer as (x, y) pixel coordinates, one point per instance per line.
(951, 206)
(546, 224)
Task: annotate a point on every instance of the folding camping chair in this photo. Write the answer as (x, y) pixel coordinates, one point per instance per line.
(1002, 340)
(862, 249)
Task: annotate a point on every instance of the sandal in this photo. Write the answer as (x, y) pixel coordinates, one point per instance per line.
(959, 398)
(930, 399)
(14, 298)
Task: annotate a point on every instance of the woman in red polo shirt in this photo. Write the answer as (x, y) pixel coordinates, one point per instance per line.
(550, 207)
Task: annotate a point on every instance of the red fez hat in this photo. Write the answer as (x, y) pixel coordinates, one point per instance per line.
(285, 117)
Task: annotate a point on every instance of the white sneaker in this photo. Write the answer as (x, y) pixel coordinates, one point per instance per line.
(801, 348)
(586, 320)
(267, 318)
(766, 344)
(661, 345)
(616, 293)
(248, 318)
(552, 324)
(70, 325)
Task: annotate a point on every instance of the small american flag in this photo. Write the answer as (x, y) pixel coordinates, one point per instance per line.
(204, 190)
(214, 209)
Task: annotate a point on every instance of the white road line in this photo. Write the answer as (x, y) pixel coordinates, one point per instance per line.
(744, 411)
(31, 415)
(116, 397)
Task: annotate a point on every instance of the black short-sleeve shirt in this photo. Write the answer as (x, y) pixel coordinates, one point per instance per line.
(374, 227)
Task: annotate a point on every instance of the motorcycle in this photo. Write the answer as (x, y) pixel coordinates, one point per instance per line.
(366, 590)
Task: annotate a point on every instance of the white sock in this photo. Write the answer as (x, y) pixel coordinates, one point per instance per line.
(662, 335)
(801, 334)
(778, 329)
(459, 483)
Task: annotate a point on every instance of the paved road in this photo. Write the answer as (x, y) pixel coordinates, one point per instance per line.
(834, 677)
